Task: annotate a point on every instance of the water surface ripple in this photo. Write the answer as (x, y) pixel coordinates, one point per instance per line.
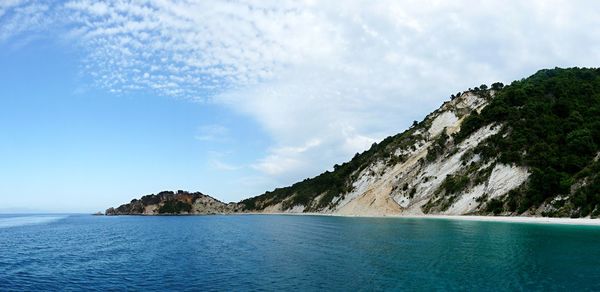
(253, 252)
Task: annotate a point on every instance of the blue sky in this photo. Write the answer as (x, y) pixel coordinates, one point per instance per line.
(104, 101)
(67, 146)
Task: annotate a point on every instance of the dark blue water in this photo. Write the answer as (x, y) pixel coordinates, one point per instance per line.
(235, 253)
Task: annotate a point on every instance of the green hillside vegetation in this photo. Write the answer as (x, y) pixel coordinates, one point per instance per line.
(551, 125)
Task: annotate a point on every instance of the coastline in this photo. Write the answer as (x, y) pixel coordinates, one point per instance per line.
(507, 219)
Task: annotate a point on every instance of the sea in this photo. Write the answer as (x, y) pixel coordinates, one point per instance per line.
(292, 253)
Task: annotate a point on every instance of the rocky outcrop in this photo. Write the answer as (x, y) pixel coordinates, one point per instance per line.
(170, 203)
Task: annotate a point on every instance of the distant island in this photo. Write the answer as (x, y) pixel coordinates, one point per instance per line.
(180, 202)
(531, 148)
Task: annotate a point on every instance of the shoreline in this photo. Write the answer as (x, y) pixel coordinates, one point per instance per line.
(507, 219)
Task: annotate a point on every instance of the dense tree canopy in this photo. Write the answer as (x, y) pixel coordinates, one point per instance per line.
(551, 125)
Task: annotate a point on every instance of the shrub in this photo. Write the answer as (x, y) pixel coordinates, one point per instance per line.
(495, 206)
(455, 183)
(174, 207)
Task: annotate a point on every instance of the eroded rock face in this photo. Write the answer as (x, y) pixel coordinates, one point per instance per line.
(409, 174)
(169, 203)
(416, 184)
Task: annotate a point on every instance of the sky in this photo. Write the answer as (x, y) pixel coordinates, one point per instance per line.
(104, 101)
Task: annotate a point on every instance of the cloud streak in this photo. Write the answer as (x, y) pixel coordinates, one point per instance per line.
(213, 133)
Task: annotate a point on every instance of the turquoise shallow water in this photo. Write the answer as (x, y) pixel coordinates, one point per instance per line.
(254, 252)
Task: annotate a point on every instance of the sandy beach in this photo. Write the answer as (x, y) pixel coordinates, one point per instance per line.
(510, 219)
(516, 219)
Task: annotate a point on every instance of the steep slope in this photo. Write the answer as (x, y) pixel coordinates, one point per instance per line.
(398, 175)
(166, 203)
(527, 148)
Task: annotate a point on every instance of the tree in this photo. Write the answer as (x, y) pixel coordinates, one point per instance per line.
(497, 86)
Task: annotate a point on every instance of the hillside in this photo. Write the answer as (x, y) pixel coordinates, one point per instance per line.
(529, 148)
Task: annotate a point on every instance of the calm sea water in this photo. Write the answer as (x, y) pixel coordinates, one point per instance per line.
(252, 252)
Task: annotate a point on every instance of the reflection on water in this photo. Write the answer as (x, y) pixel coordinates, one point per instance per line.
(7, 221)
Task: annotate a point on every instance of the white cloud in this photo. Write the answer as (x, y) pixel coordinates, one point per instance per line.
(187, 48)
(341, 73)
(216, 160)
(20, 16)
(391, 62)
(220, 165)
(213, 133)
(283, 159)
(9, 4)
